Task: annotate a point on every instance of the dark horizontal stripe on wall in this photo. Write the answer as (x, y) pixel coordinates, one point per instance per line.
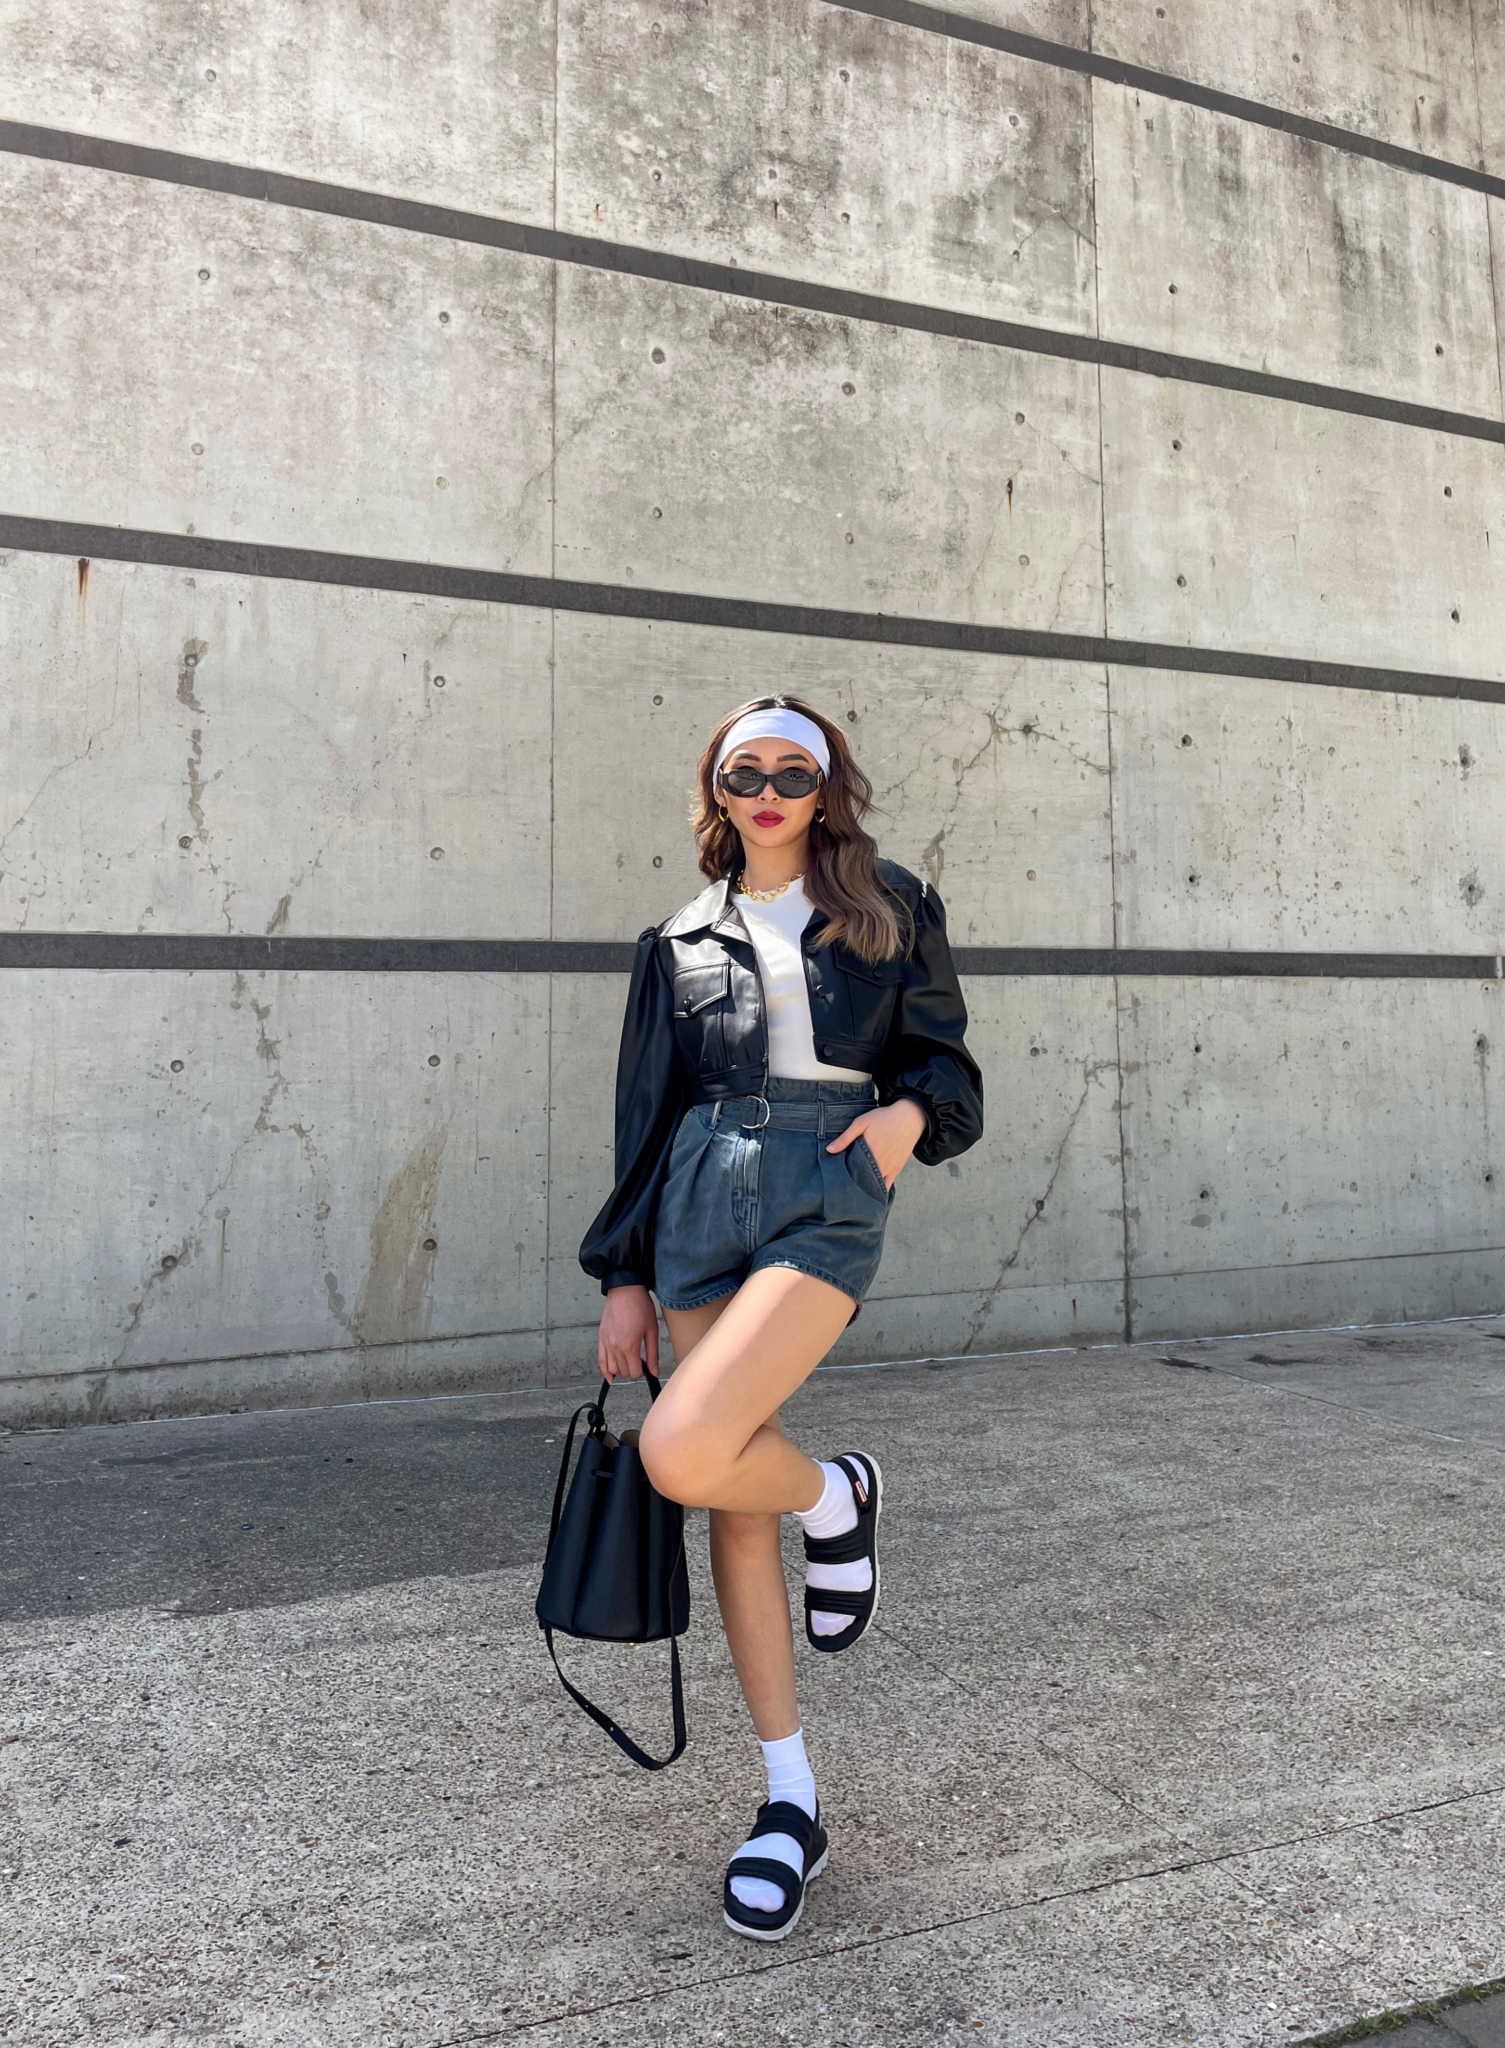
(187, 952)
(743, 614)
(418, 217)
(962, 28)
(190, 952)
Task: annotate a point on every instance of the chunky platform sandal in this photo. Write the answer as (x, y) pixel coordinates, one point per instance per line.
(776, 1817)
(867, 1492)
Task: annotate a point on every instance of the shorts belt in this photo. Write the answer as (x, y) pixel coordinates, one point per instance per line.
(757, 1113)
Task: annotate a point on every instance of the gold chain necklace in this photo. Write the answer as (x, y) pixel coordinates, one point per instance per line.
(767, 895)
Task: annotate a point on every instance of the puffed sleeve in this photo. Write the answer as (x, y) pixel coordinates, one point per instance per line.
(927, 1055)
(651, 1093)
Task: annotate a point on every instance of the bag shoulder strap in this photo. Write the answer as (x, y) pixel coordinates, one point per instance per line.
(618, 1735)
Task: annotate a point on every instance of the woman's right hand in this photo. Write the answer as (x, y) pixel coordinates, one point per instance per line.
(629, 1327)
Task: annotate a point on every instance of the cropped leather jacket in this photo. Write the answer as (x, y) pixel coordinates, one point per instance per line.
(695, 1031)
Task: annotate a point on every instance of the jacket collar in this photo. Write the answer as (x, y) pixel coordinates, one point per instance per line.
(711, 910)
(714, 911)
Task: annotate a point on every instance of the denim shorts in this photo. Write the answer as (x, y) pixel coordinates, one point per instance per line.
(751, 1184)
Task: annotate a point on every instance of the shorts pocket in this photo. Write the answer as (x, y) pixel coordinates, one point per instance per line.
(865, 1170)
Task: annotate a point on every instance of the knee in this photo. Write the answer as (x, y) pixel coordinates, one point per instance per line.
(678, 1462)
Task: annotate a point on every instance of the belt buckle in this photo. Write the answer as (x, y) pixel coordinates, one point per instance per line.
(763, 1119)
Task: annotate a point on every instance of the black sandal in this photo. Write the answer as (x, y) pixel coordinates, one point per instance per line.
(867, 1492)
(776, 1817)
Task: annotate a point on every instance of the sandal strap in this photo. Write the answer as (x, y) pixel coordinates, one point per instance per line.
(858, 1471)
(790, 1882)
(783, 1817)
(829, 1600)
(847, 1549)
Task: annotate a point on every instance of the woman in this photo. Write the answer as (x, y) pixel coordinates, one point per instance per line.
(792, 1038)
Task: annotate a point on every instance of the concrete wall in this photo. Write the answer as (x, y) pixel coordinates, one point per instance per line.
(235, 1186)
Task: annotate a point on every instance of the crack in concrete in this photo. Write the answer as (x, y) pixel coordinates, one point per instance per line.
(1090, 1073)
(1186, 1865)
(269, 1050)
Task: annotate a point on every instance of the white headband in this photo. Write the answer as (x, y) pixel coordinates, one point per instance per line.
(778, 724)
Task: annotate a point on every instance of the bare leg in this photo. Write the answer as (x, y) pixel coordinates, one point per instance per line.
(703, 1442)
(746, 1561)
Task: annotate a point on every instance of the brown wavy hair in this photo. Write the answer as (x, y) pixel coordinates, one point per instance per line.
(841, 875)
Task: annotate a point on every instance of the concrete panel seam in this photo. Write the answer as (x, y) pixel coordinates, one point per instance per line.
(241, 953)
(754, 615)
(111, 1370)
(1115, 71)
(550, 244)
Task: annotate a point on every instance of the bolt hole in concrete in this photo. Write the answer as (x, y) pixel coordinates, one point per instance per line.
(658, 700)
(658, 177)
(849, 390)
(433, 1059)
(1204, 1195)
(1172, 290)
(851, 718)
(431, 1244)
(1029, 874)
(849, 540)
(436, 853)
(198, 447)
(1196, 1048)
(441, 483)
(1186, 739)
(169, 1262)
(658, 860)
(1454, 615)
(1018, 419)
(1447, 490)
(203, 277)
(438, 682)
(177, 1066)
(1181, 583)
(658, 512)
(185, 842)
(1177, 446)
(1439, 348)
(846, 217)
(657, 355)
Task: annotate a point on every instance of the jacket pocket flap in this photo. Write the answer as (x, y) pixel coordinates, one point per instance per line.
(889, 970)
(696, 988)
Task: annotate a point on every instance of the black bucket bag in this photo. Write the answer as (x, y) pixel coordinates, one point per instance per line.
(614, 1571)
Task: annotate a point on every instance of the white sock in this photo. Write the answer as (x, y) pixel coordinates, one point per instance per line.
(833, 1514)
(789, 1777)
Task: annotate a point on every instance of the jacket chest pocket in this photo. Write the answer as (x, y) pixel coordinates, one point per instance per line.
(872, 989)
(701, 1000)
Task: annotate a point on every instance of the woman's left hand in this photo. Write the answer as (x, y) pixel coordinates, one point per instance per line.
(892, 1134)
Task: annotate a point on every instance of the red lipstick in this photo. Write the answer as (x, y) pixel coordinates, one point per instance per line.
(769, 818)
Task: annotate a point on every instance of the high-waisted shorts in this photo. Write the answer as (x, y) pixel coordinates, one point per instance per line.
(751, 1184)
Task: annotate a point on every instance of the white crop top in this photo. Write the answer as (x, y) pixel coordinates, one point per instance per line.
(775, 930)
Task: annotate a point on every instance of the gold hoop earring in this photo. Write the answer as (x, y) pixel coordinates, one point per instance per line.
(820, 817)
(723, 814)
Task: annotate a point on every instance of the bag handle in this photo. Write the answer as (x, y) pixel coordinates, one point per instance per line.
(597, 1410)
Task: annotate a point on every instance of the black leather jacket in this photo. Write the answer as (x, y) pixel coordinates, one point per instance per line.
(695, 1032)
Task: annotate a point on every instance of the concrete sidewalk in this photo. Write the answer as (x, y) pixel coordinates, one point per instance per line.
(1182, 1722)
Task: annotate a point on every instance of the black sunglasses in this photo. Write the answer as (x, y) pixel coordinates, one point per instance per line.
(789, 782)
